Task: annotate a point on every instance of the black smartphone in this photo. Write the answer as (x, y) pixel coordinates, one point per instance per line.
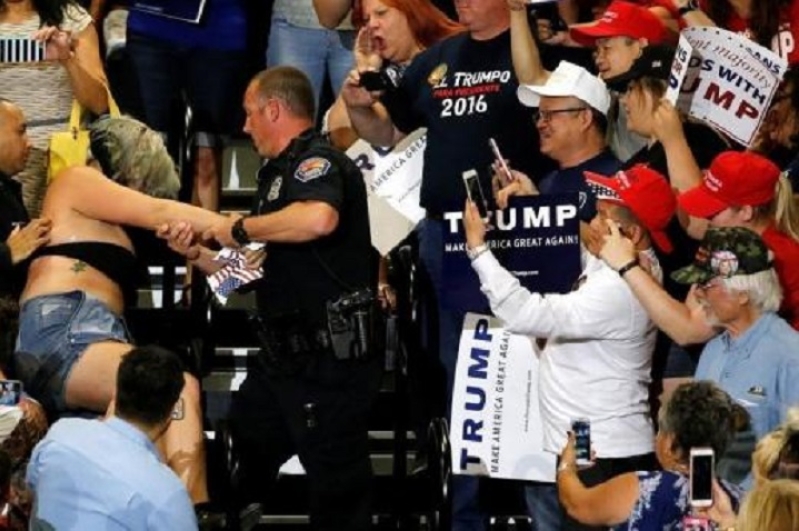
(702, 465)
(10, 392)
(475, 192)
(374, 81)
(582, 440)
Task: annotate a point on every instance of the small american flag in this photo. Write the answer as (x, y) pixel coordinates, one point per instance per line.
(233, 275)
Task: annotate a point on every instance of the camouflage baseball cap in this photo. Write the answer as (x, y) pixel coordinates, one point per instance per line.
(726, 252)
(134, 155)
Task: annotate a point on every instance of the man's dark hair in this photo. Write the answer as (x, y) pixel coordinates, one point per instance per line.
(149, 382)
(699, 414)
(291, 86)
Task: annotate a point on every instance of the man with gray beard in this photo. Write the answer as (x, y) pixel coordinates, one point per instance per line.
(756, 356)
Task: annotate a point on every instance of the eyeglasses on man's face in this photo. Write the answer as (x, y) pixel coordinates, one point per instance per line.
(546, 116)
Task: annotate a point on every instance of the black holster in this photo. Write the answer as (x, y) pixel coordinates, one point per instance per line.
(353, 321)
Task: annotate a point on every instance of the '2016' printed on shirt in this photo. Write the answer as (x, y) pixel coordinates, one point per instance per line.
(467, 95)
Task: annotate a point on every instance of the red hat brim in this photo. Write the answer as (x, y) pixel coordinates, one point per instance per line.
(699, 202)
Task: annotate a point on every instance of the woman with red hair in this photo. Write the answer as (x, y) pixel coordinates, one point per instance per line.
(392, 33)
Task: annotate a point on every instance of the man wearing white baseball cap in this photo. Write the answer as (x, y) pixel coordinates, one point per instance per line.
(571, 121)
(569, 80)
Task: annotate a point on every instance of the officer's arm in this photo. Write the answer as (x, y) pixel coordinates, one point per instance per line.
(300, 221)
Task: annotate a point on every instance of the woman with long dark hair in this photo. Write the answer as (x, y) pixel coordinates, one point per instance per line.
(44, 84)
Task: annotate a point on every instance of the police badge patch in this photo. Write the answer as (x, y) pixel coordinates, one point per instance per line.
(274, 190)
(311, 168)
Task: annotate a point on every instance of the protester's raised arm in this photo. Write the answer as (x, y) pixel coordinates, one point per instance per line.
(95, 196)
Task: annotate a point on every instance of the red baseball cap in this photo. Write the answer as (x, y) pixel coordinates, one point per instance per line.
(622, 19)
(646, 192)
(735, 178)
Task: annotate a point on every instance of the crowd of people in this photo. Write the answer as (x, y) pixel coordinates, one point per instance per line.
(681, 330)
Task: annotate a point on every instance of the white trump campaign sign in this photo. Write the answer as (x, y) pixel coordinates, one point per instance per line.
(393, 179)
(495, 426)
(725, 79)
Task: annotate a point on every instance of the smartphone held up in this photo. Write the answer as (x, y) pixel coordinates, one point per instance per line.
(582, 441)
(702, 465)
(10, 392)
(474, 191)
(503, 165)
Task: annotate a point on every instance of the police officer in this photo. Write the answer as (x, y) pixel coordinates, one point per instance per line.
(309, 395)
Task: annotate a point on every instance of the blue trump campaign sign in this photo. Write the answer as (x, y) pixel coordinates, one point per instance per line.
(537, 239)
(187, 10)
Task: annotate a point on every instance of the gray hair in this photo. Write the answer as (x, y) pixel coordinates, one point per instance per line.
(134, 155)
(763, 289)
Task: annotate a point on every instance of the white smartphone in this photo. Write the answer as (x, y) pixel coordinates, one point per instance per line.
(179, 411)
(703, 463)
(497, 155)
(10, 392)
(475, 192)
(582, 440)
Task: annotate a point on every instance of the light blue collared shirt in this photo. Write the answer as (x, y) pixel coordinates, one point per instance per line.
(759, 369)
(93, 474)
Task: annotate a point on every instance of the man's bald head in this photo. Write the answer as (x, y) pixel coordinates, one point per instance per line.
(14, 143)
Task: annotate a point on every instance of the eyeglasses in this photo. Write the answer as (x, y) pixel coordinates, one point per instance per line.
(546, 116)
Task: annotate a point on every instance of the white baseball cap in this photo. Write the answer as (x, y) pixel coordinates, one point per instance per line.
(568, 79)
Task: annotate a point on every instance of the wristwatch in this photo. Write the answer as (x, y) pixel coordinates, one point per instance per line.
(477, 251)
(239, 233)
(629, 266)
(691, 5)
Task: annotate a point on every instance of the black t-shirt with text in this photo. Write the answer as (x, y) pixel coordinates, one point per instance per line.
(464, 92)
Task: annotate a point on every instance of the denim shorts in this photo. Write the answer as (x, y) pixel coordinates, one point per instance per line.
(54, 332)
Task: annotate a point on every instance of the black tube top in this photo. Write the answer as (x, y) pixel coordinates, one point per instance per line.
(117, 263)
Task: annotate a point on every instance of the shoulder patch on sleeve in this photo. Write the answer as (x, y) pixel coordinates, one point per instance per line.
(312, 168)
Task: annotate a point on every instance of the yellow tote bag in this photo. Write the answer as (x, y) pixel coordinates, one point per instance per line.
(71, 147)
